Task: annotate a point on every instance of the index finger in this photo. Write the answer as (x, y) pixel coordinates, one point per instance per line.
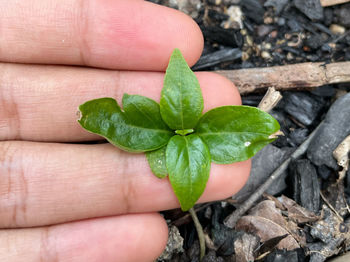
(116, 34)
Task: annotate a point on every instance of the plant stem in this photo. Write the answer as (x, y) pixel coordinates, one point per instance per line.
(200, 233)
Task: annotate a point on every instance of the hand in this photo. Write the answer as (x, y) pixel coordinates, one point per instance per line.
(65, 201)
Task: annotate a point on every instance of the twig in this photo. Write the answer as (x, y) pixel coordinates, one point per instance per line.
(304, 75)
(333, 2)
(232, 219)
(200, 233)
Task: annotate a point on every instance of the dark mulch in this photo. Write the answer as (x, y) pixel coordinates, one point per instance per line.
(305, 216)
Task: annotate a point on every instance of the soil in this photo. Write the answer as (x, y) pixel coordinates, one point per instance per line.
(305, 214)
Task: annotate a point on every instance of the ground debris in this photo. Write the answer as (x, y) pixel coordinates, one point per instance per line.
(332, 233)
(267, 222)
(246, 246)
(311, 8)
(174, 245)
(341, 154)
(335, 129)
(297, 213)
(306, 188)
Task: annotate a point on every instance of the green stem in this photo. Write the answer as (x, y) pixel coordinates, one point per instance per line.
(200, 232)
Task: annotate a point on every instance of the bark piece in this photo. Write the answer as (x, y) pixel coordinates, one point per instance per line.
(334, 130)
(306, 188)
(303, 107)
(223, 55)
(263, 164)
(311, 8)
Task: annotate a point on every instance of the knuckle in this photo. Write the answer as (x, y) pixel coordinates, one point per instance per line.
(13, 189)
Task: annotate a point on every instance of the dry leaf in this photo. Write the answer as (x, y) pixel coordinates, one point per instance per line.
(245, 247)
(296, 212)
(267, 222)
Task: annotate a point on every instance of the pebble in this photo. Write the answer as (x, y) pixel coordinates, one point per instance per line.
(263, 30)
(235, 18)
(266, 55)
(311, 8)
(290, 56)
(190, 7)
(281, 21)
(337, 29)
(334, 130)
(273, 34)
(268, 20)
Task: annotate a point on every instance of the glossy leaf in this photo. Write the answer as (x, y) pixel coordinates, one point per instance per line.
(138, 128)
(188, 164)
(181, 102)
(157, 162)
(235, 133)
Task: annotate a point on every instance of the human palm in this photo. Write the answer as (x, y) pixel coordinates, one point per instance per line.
(62, 199)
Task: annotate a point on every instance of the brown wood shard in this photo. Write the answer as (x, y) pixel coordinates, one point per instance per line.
(333, 2)
(297, 76)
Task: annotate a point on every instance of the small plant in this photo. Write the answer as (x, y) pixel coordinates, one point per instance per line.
(177, 139)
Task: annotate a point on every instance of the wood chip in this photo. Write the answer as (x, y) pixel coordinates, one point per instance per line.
(296, 76)
(333, 2)
(270, 100)
(341, 154)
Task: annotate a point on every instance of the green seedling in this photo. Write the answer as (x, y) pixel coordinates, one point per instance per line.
(180, 141)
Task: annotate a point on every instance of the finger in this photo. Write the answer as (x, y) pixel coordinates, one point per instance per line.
(126, 238)
(121, 34)
(39, 103)
(48, 183)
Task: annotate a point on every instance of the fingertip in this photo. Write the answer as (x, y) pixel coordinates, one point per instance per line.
(143, 35)
(192, 46)
(217, 90)
(226, 180)
(160, 232)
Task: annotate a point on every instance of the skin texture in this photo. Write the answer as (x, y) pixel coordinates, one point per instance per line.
(63, 201)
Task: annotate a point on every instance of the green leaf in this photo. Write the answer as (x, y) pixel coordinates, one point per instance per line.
(188, 164)
(138, 128)
(235, 133)
(157, 162)
(181, 102)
